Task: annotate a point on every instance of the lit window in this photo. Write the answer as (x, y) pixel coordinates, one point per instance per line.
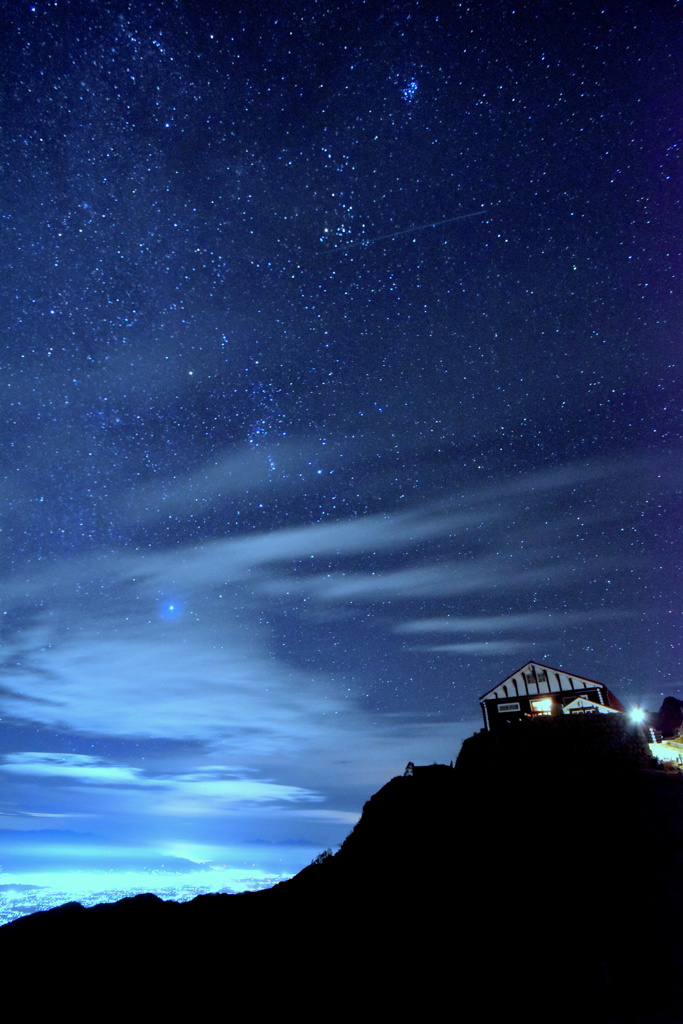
(542, 707)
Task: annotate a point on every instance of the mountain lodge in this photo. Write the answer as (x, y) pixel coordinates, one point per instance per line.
(542, 690)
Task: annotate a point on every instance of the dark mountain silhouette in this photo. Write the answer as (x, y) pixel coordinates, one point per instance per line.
(538, 879)
(669, 718)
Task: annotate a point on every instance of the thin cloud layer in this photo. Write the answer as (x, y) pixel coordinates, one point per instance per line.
(164, 683)
(532, 622)
(480, 648)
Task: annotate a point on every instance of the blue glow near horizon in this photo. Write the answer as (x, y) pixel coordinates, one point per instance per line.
(31, 893)
(45, 883)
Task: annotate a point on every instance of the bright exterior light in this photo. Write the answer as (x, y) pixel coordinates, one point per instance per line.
(637, 715)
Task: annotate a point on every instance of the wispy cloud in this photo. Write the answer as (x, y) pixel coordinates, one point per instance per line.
(155, 680)
(205, 791)
(80, 768)
(270, 467)
(483, 647)
(484, 574)
(225, 560)
(530, 621)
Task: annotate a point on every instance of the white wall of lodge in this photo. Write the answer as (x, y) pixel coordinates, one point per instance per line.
(533, 680)
(580, 704)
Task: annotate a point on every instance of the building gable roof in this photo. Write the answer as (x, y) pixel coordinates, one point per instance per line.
(533, 679)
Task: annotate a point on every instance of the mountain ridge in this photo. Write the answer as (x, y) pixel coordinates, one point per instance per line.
(540, 874)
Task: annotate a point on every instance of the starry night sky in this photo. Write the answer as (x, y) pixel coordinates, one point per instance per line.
(338, 382)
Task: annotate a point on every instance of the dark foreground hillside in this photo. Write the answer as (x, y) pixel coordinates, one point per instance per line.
(541, 879)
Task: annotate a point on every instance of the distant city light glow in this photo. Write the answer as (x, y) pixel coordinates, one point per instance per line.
(29, 893)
